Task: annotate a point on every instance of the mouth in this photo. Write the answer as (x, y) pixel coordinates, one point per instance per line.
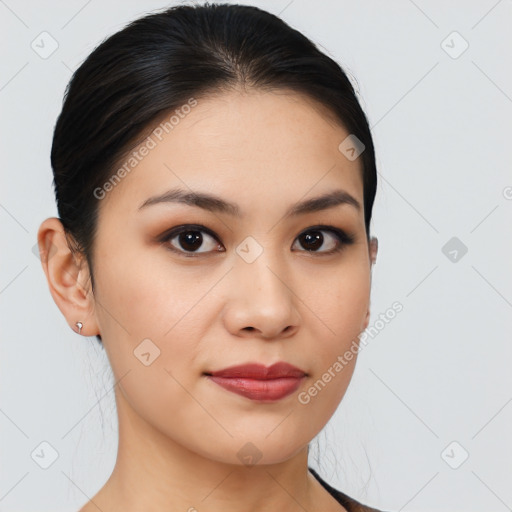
(259, 383)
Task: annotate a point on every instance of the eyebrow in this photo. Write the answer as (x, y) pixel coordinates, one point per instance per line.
(215, 203)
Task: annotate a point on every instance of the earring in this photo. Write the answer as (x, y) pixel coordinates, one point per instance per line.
(79, 325)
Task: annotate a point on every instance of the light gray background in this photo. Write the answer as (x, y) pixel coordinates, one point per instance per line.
(438, 372)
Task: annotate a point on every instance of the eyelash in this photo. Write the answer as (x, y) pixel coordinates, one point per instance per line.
(344, 239)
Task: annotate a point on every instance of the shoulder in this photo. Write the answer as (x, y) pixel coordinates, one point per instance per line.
(349, 503)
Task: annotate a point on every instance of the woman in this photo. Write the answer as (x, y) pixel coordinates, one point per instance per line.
(215, 176)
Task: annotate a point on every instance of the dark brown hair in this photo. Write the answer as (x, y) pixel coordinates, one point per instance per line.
(155, 65)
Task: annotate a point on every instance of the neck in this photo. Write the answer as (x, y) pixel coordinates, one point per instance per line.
(154, 472)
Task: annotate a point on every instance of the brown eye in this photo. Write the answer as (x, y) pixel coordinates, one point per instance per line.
(190, 240)
(328, 239)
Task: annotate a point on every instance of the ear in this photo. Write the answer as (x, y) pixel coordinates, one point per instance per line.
(68, 277)
(366, 320)
(373, 248)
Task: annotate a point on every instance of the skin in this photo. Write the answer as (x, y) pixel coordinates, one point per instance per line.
(179, 433)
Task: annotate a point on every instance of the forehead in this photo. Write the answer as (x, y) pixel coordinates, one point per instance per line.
(252, 147)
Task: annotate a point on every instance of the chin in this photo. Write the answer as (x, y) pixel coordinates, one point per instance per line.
(258, 448)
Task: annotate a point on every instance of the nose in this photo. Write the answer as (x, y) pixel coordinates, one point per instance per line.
(261, 301)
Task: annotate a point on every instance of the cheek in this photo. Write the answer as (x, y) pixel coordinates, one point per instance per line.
(142, 296)
(343, 303)
(153, 320)
(343, 309)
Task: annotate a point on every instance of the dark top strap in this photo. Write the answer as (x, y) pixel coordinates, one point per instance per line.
(349, 503)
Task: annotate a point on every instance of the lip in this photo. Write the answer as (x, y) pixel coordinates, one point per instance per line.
(259, 382)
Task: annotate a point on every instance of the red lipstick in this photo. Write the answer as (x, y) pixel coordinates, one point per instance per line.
(258, 382)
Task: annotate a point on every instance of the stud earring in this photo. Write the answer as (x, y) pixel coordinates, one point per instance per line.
(79, 325)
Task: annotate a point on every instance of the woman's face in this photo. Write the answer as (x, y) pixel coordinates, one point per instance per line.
(241, 284)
